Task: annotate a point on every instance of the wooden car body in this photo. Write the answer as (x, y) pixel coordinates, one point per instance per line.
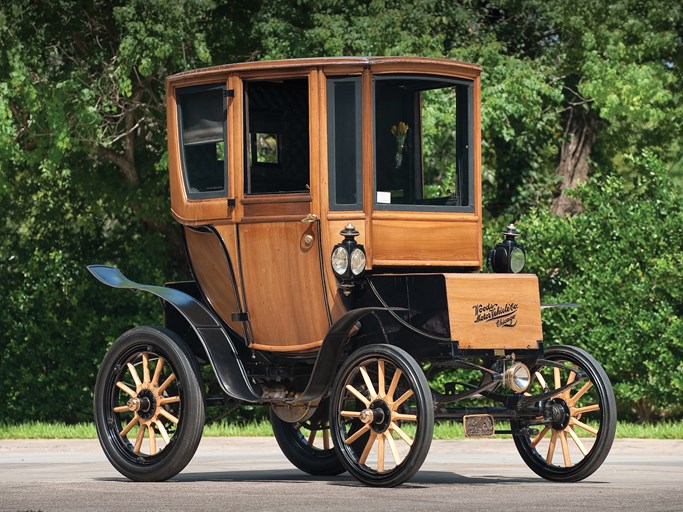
(266, 272)
(332, 214)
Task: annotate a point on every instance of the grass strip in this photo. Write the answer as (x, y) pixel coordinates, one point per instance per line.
(257, 428)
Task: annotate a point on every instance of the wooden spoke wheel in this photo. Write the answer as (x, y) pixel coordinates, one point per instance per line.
(382, 415)
(578, 427)
(308, 444)
(149, 407)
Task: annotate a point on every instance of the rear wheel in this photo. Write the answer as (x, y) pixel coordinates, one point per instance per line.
(382, 415)
(579, 435)
(308, 444)
(149, 406)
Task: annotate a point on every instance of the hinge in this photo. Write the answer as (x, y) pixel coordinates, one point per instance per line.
(232, 202)
(228, 93)
(240, 317)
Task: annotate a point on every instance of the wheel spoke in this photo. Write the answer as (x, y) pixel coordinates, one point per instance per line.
(580, 393)
(157, 371)
(558, 379)
(145, 368)
(380, 453)
(405, 396)
(368, 447)
(130, 425)
(326, 439)
(134, 373)
(588, 408)
(572, 376)
(311, 437)
(551, 447)
(163, 432)
(393, 448)
(152, 440)
(539, 437)
(166, 383)
(393, 426)
(582, 425)
(565, 449)
(368, 382)
(126, 389)
(349, 414)
(169, 400)
(395, 416)
(541, 380)
(168, 416)
(358, 395)
(393, 384)
(380, 378)
(577, 440)
(139, 438)
(358, 434)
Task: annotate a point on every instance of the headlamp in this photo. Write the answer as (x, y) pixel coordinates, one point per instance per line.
(507, 256)
(348, 259)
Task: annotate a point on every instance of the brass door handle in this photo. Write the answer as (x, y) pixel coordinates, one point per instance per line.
(310, 218)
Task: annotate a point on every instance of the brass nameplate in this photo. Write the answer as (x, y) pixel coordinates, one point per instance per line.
(478, 425)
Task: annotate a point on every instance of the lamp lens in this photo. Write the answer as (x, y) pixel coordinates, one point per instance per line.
(517, 260)
(521, 377)
(340, 261)
(357, 262)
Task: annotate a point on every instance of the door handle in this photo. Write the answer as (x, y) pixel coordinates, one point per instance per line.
(310, 218)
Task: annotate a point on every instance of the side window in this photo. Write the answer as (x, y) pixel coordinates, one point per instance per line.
(423, 143)
(344, 143)
(203, 130)
(277, 138)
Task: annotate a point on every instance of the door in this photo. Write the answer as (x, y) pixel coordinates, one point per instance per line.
(279, 233)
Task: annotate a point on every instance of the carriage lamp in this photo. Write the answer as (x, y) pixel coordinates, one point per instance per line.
(517, 377)
(507, 256)
(348, 259)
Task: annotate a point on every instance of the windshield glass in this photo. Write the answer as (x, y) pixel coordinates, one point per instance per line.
(423, 155)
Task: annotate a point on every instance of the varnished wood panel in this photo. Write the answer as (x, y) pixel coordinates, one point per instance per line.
(489, 311)
(283, 284)
(274, 210)
(289, 67)
(426, 242)
(214, 274)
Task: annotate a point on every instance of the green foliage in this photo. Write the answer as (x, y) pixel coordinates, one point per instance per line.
(83, 163)
(620, 259)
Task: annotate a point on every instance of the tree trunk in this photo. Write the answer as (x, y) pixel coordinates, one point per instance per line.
(575, 154)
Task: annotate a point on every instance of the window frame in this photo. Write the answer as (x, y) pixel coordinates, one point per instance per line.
(467, 159)
(185, 91)
(331, 148)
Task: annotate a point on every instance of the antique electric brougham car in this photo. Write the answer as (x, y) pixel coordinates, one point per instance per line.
(331, 210)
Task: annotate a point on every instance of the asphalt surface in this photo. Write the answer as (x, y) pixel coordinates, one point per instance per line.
(252, 474)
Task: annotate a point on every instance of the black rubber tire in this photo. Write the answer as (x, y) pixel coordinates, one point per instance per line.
(606, 417)
(154, 342)
(421, 408)
(295, 446)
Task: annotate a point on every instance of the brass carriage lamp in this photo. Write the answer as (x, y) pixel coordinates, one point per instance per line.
(507, 256)
(348, 259)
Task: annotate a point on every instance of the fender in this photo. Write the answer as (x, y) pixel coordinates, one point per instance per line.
(219, 347)
(223, 356)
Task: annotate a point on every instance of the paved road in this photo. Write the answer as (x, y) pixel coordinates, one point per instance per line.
(251, 474)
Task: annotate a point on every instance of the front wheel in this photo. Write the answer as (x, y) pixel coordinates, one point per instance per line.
(149, 406)
(579, 428)
(382, 415)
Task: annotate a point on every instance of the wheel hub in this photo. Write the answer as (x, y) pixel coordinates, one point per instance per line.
(558, 412)
(377, 416)
(144, 404)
